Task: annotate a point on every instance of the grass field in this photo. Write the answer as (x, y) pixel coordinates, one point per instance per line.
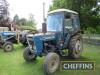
(12, 63)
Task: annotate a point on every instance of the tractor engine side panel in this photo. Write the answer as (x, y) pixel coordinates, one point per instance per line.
(38, 45)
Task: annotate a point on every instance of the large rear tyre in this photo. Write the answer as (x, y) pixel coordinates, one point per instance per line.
(8, 46)
(75, 47)
(29, 55)
(25, 44)
(51, 63)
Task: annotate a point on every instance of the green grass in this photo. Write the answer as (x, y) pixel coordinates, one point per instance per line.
(12, 63)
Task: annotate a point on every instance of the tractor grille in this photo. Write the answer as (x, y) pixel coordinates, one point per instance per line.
(30, 41)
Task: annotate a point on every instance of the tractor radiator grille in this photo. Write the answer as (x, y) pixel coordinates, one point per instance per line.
(30, 41)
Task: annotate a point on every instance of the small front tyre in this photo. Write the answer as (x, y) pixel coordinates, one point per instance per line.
(51, 63)
(29, 55)
(8, 46)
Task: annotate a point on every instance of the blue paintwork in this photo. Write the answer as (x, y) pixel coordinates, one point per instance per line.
(9, 33)
(57, 36)
(38, 41)
(6, 34)
(38, 45)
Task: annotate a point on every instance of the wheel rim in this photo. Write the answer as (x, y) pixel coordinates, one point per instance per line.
(8, 47)
(31, 54)
(78, 47)
(53, 64)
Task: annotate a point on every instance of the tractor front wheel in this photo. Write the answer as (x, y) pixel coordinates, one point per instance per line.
(51, 63)
(8, 46)
(29, 55)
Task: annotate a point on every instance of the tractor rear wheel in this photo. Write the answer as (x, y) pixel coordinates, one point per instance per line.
(8, 46)
(25, 44)
(29, 55)
(51, 63)
(75, 46)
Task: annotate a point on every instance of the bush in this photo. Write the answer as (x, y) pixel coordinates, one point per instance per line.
(91, 30)
(27, 28)
(98, 29)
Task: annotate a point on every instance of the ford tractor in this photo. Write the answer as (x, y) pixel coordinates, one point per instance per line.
(7, 39)
(61, 37)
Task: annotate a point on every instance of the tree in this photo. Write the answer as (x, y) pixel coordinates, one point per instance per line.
(31, 21)
(88, 16)
(16, 19)
(4, 9)
(4, 14)
(25, 23)
(22, 22)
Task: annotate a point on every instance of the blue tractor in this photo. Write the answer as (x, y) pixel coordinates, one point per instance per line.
(7, 39)
(61, 37)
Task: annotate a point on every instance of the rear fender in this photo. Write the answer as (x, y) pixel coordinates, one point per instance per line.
(69, 36)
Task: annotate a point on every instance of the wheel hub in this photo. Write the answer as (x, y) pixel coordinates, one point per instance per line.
(8, 47)
(53, 64)
(31, 54)
(78, 47)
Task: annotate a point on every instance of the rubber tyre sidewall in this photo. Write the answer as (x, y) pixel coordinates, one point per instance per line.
(72, 43)
(47, 61)
(5, 44)
(26, 56)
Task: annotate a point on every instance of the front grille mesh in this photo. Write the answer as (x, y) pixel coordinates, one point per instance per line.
(30, 40)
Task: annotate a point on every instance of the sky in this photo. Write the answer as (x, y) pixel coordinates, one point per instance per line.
(25, 7)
